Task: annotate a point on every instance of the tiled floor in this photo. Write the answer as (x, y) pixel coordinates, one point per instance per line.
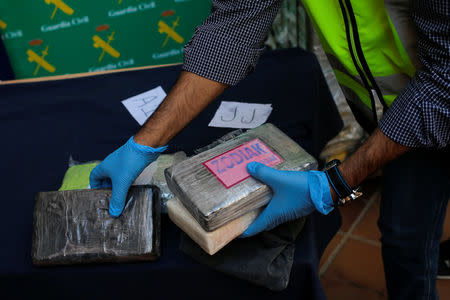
(351, 267)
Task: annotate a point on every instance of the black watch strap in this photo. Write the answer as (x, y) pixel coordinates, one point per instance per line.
(344, 192)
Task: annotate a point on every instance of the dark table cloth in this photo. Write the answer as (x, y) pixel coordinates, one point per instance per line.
(43, 123)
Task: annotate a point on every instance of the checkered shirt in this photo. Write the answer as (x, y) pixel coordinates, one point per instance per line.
(226, 48)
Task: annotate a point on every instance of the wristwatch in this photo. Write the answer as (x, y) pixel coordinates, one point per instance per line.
(340, 186)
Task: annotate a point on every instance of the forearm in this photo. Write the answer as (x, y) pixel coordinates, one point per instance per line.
(372, 155)
(187, 98)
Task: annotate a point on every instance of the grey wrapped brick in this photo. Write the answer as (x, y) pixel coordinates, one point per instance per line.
(73, 227)
(209, 201)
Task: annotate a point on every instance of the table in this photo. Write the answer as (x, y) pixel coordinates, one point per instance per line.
(44, 122)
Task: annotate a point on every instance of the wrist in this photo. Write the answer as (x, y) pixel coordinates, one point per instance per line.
(145, 149)
(142, 137)
(344, 192)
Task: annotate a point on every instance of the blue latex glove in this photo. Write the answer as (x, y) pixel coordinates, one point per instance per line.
(295, 194)
(119, 170)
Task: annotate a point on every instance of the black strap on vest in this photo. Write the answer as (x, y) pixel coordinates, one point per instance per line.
(361, 56)
(367, 74)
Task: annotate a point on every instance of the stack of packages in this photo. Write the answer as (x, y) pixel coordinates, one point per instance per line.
(73, 225)
(216, 199)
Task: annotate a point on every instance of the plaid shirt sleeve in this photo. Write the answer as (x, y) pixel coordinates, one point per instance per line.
(420, 116)
(226, 47)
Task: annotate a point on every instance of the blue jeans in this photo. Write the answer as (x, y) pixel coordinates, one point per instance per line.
(416, 190)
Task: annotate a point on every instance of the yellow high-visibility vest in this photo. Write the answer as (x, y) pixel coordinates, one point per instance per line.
(371, 45)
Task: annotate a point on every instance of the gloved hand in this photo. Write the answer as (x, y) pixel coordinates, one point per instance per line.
(120, 169)
(295, 194)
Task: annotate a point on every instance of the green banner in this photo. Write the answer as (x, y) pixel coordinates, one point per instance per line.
(54, 37)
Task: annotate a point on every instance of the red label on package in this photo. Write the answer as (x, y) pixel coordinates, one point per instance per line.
(230, 167)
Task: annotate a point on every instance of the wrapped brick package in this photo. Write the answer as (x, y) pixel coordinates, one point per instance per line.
(211, 241)
(72, 227)
(214, 185)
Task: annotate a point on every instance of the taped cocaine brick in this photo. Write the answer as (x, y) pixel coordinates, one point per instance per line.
(214, 185)
(72, 227)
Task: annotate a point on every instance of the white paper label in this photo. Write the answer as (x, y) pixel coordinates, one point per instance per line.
(142, 106)
(240, 115)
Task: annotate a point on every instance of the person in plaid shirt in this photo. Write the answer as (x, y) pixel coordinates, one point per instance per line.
(410, 143)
